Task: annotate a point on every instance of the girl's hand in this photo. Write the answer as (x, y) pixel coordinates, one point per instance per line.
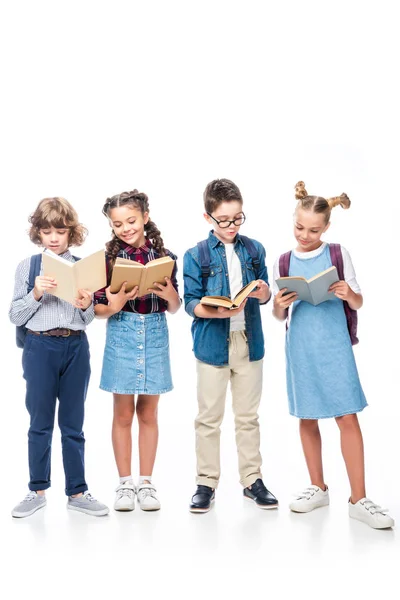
(262, 291)
(342, 290)
(282, 301)
(227, 313)
(42, 285)
(117, 301)
(165, 291)
(84, 301)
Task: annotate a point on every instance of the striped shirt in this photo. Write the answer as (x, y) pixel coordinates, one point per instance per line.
(150, 303)
(47, 313)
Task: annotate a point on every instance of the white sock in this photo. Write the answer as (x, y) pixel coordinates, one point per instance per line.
(126, 479)
(144, 478)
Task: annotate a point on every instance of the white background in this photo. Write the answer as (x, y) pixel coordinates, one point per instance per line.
(101, 97)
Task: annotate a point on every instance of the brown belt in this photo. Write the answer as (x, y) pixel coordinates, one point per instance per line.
(61, 332)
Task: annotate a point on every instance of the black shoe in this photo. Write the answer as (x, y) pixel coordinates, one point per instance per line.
(202, 499)
(261, 496)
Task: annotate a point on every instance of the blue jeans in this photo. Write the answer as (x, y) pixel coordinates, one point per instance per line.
(56, 367)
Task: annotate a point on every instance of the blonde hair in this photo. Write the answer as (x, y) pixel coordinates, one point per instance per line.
(318, 204)
(56, 212)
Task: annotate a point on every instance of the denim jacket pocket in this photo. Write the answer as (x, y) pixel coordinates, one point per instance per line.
(214, 281)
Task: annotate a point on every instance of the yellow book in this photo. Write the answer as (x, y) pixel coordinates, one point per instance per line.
(142, 275)
(88, 273)
(226, 302)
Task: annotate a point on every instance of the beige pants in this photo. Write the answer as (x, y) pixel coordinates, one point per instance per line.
(246, 386)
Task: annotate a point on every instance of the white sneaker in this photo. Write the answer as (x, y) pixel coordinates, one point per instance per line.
(370, 513)
(312, 497)
(147, 499)
(125, 496)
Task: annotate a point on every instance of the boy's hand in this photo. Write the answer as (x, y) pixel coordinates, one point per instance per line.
(342, 290)
(42, 285)
(282, 301)
(84, 300)
(117, 301)
(262, 291)
(227, 313)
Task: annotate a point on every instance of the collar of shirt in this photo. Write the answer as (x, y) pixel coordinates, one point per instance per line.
(214, 241)
(131, 250)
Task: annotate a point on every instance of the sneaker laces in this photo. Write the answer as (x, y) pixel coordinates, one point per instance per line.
(373, 508)
(146, 490)
(29, 497)
(307, 493)
(125, 490)
(88, 497)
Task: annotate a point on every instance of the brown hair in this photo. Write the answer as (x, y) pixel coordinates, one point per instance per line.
(318, 204)
(218, 191)
(138, 200)
(56, 212)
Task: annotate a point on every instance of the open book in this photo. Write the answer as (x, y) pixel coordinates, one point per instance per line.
(226, 302)
(142, 275)
(89, 273)
(314, 290)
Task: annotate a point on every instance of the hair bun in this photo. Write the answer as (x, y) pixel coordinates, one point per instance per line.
(300, 190)
(343, 200)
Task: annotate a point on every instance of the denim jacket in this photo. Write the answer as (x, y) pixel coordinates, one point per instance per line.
(211, 336)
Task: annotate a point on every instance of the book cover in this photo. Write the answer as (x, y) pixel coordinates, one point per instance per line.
(143, 276)
(226, 302)
(89, 273)
(314, 290)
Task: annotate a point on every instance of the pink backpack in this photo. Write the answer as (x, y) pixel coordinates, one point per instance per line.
(337, 261)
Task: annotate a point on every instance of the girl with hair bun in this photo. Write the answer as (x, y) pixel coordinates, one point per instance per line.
(321, 373)
(136, 364)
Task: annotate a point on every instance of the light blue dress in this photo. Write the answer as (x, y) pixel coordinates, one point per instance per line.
(321, 372)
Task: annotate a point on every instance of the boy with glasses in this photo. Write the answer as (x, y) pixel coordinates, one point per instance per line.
(228, 344)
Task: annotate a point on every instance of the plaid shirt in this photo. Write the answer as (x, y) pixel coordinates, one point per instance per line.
(146, 304)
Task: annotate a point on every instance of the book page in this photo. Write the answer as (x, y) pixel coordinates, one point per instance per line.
(320, 284)
(216, 301)
(62, 271)
(155, 271)
(90, 272)
(243, 293)
(130, 271)
(296, 284)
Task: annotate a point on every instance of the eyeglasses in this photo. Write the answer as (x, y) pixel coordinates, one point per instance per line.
(224, 224)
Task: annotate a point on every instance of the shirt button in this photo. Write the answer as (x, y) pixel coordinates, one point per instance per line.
(226, 275)
(140, 332)
(142, 317)
(140, 347)
(140, 376)
(140, 361)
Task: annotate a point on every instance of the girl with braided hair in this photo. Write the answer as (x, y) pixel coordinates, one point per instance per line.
(136, 364)
(321, 373)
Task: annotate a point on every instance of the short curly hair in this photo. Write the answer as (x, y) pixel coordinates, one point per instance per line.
(56, 212)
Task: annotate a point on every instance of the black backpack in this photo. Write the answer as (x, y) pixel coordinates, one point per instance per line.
(34, 271)
(205, 259)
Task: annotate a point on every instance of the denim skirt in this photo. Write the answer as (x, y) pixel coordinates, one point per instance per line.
(136, 357)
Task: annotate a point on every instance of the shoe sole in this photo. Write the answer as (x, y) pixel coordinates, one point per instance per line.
(369, 524)
(202, 510)
(18, 515)
(296, 510)
(98, 513)
(271, 507)
(150, 509)
(125, 509)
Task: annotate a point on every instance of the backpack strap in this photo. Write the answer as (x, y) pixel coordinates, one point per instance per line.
(205, 259)
(351, 314)
(337, 259)
(34, 270)
(284, 263)
(252, 251)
